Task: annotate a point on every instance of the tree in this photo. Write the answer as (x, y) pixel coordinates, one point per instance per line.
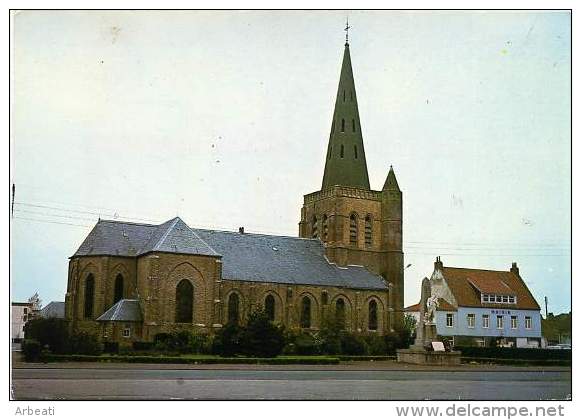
(261, 338)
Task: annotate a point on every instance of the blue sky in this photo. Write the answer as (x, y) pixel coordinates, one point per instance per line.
(223, 119)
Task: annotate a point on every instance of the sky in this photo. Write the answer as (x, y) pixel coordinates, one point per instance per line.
(223, 118)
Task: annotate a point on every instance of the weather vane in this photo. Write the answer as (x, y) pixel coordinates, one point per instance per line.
(347, 27)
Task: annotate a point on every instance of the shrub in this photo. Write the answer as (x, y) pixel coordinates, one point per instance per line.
(261, 338)
(51, 332)
(111, 347)
(227, 341)
(305, 344)
(200, 343)
(352, 344)
(31, 349)
(85, 343)
(376, 345)
(330, 335)
(140, 345)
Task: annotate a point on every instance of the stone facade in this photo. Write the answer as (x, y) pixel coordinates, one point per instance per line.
(153, 279)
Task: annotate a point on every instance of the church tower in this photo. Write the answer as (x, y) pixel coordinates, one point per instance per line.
(358, 225)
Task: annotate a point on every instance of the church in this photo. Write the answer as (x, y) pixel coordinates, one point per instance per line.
(128, 282)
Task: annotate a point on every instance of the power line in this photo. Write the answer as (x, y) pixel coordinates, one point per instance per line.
(50, 221)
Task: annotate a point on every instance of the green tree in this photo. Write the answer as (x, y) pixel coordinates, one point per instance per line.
(261, 338)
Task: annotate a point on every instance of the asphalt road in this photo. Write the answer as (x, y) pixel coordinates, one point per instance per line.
(255, 383)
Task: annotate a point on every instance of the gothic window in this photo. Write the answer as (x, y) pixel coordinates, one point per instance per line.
(184, 302)
(325, 228)
(306, 312)
(342, 125)
(315, 228)
(355, 150)
(372, 317)
(353, 229)
(118, 289)
(340, 313)
(353, 125)
(234, 308)
(368, 230)
(269, 307)
(342, 151)
(89, 296)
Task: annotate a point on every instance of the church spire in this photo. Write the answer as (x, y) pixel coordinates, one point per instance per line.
(345, 164)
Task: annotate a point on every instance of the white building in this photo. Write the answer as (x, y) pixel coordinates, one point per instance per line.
(483, 307)
(21, 311)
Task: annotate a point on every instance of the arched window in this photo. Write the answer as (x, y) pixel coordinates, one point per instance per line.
(325, 227)
(234, 308)
(353, 125)
(269, 307)
(355, 150)
(353, 229)
(315, 227)
(368, 230)
(118, 289)
(342, 125)
(89, 296)
(342, 151)
(306, 312)
(340, 313)
(184, 302)
(372, 317)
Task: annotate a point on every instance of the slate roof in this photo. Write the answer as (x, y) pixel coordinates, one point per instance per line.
(464, 284)
(124, 310)
(245, 256)
(283, 259)
(111, 237)
(53, 310)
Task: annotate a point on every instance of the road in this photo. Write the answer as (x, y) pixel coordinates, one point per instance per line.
(289, 384)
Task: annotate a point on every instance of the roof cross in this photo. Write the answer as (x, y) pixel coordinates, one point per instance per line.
(347, 27)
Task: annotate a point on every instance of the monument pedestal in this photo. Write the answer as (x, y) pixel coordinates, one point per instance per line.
(420, 356)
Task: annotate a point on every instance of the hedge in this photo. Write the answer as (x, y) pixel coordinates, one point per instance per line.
(517, 362)
(194, 360)
(366, 358)
(515, 353)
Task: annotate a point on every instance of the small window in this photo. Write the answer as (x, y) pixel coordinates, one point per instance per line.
(340, 313)
(485, 321)
(325, 297)
(315, 227)
(368, 231)
(505, 299)
(353, 125)
(470, 318)
(512, 299)
(342, 151)
(343, 96)
(355, 150)
(351, 95)
(127, 331)
(372, 321)
(306, 312)
(528, 322)
(450, 320)
(234, 308)
(25, 311)
(353, 229)
(269, 307)
(500, 322)
(342, 125)
(498, 299)
(513, 322)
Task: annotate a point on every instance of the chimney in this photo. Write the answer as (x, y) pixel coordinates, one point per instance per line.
(241, 229)
(514, 269)
(438, 265)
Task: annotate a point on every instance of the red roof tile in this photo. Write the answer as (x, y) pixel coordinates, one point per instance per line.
(466, 285)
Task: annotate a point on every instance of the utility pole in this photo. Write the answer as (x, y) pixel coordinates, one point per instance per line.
(546, 307)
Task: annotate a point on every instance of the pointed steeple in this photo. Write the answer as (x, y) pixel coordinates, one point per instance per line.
(345, 161)
(391, 181)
